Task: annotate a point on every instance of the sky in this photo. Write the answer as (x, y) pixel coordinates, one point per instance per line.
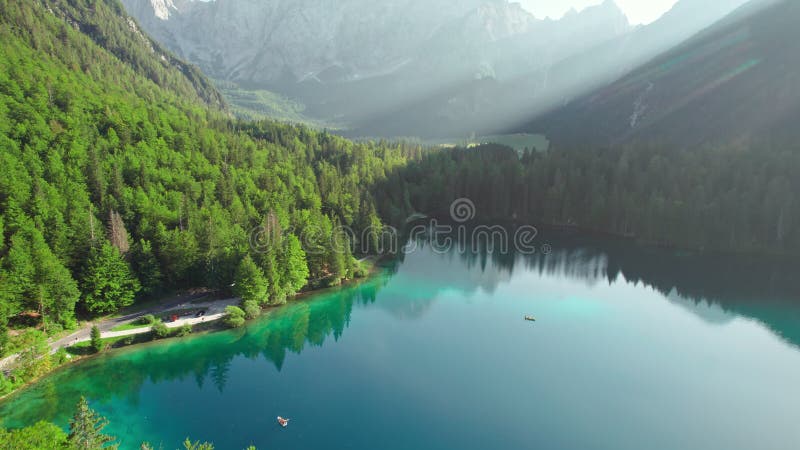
(638, 11)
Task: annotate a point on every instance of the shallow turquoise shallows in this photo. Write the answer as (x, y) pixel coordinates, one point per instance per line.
(631, 349)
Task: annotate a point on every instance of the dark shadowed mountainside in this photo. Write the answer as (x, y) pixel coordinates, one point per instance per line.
(500, 104)
(733, 84)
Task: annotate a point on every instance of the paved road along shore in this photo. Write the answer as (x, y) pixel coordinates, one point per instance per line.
(215, 310)
(210, 316)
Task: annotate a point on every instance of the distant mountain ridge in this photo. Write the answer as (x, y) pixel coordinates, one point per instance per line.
(429, 68)
(733, 84)
(256, 41)
(353, 60)
(508, 104)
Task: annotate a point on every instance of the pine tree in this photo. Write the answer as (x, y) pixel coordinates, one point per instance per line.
(17, 276)
(56, 292)
(339, 255)
(270, 267)
(294, 265)
(250, 283)
(337, 267)
(189, 445)
(3, 328)
(96, 340)
(108, 283)
(86, 429)
(37, 280)
(146, 267)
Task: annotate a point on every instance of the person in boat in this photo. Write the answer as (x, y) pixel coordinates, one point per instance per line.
(283, 422)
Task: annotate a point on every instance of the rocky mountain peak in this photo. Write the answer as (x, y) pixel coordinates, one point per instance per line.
(162, 8)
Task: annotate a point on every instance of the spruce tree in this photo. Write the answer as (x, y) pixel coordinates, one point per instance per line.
(250, 283)
(294, 265)
(108, 283)
(146, 267)
(96, 340)
(197, 445)
(271, 269)
(86, 429)
(3, 327)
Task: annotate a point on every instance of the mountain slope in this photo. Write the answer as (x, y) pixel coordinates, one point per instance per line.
(509, 103)
(109, 26)
(735, 83)
(269, 42)
(356, 61)
(118, 175)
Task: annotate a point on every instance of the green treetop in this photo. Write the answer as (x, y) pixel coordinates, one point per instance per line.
(108, 282)
(86, 429)
(250, 283)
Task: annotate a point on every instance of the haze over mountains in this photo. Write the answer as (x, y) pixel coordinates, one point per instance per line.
(126, 176)
(733, 84)
(412, 67)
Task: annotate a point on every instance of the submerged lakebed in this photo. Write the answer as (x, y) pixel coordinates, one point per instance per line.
(632, 349)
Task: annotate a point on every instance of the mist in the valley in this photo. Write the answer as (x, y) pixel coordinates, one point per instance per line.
(426, 68)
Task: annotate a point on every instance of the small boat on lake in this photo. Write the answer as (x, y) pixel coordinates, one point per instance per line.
(530, 318)
(283, 422)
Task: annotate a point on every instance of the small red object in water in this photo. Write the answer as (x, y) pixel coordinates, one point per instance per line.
(283, 422)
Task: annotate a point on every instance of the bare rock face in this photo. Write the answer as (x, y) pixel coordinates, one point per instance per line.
(450, 65)
(275, 41)
(264, 41)
(163, 8)
(147, 10)
(353, 59)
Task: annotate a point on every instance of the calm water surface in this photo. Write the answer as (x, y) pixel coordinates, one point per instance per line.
(631, 350)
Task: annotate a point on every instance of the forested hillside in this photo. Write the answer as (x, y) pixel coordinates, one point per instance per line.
(107, 24)
(122, 177)
(706, 198)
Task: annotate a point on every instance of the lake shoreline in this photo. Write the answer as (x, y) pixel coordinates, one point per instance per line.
(590, 232)
(210, 326)
(419, 341)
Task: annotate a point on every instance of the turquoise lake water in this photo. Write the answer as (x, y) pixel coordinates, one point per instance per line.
(632, 349)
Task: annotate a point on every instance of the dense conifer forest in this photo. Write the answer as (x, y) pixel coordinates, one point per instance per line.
(125, 176)
(714, 199)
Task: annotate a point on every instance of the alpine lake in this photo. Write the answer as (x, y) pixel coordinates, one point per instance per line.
(632, 348)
